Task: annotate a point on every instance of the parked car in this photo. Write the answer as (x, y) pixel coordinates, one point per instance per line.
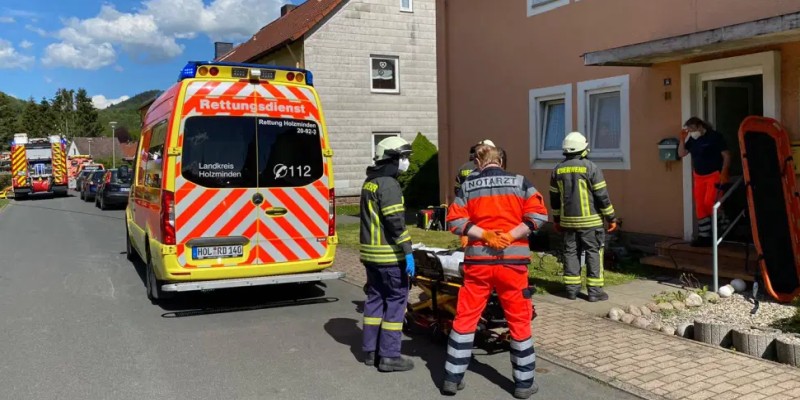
(89, 187)
(114, 188)
(79, 181)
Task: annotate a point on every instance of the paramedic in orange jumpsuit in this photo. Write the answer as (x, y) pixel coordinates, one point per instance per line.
(497, 211)
(710, 166)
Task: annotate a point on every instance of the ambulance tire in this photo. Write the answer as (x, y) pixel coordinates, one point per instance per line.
(131, 254)
(82, 196)
(154, 292)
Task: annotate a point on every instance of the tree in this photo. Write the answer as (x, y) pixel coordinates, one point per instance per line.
(421, 182)
(47, 119)
(30, 122)
(63, 106)
(8, 120)
(86, 122)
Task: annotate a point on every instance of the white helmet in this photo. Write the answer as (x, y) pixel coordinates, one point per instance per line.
(392, 147)
(486, 142)
(574, 143)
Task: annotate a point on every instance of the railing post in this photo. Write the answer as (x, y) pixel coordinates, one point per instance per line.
(715, 240)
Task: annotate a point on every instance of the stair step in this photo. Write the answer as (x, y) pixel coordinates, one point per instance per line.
(725, 270)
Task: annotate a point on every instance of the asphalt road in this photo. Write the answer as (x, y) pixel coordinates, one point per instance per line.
(75, 324)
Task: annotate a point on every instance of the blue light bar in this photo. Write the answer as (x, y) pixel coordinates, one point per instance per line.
(190, 69)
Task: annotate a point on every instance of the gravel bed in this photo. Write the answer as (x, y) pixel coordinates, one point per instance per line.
(734, 311)
(791, 339)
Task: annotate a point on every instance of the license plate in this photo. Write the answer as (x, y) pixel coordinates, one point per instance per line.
(124, 189)
(199, 253)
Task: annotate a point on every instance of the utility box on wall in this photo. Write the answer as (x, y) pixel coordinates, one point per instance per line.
(668, 149)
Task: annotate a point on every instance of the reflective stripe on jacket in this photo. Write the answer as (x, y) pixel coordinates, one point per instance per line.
(498, 201)
(463, 172)
(578, 195)
(384, 237)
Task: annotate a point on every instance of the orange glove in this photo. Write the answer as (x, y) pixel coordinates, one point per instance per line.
(724, 177)
(612, 226)
(495, 240)
(464, 242)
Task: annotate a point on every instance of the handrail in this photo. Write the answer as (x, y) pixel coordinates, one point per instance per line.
(716, 239)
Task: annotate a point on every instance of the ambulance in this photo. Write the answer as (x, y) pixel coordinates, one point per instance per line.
(233, 182)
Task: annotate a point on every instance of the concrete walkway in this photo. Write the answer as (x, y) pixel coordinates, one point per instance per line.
(649, 364)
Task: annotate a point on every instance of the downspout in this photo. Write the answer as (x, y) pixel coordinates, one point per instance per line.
(445, 142)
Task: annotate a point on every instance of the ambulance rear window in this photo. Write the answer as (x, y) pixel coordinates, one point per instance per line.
(236, 152)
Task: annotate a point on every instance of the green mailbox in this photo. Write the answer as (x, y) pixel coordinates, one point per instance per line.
(668, 149)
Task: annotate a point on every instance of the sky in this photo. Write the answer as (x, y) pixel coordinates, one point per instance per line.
(116, 49)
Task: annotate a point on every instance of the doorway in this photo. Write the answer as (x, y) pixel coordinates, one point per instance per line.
(723, 92)
(727, 102)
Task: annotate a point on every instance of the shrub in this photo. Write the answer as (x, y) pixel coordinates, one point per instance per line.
(5, 180)
(421, 182)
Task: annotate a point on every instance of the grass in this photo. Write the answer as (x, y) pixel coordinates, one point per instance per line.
(3, 203)
(352, 210)
(545, 271)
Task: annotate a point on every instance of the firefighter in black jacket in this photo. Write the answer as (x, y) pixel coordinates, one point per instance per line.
(580, 204)
(469, 167)
(386, 254)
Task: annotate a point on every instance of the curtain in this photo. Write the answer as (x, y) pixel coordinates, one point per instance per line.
(605, 114)
(554, 127)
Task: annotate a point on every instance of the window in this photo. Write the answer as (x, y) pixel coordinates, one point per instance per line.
(550, 120)
(604, 117)
(377, 137)
(407, 5)
(155, 156)
(235, 152)
(536, 7)
(384, 74)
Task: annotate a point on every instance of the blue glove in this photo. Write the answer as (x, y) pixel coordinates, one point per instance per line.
(410, 266)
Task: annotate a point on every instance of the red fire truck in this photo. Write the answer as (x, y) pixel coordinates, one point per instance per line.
(38, 165)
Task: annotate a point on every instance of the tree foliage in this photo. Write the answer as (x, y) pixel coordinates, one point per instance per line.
(421, 182)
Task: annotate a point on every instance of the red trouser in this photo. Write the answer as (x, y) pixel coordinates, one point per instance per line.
(706, 192)
(509, 283)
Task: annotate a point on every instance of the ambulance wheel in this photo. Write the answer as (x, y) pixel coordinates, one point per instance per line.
(82, 196)
(130, 252)
(154, 292)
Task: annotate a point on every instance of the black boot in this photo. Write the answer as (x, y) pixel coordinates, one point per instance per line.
(451, 388)
(395, 364)
(520, 393)
(369, 359)
(599, 295)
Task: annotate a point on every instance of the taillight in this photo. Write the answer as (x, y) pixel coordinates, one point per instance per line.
(290, 76)
(332, 213)
(167, 218)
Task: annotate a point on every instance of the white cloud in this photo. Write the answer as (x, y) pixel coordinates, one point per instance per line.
(7, 20)
(39, 31)
(10, 58)
(152, 32)
(25, 44)
(48, 79)
(118, 68)
(100, 102)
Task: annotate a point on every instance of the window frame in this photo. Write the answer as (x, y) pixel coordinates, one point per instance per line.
(386, 133)
(409, 9)
(157, 127)
(536, 7)
(396, 60)
(611, 159)
(536, 99)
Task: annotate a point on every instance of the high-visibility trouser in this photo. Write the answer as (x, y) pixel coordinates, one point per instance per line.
(591, 242)
(706, 193)
(511, 285)
(387, 296)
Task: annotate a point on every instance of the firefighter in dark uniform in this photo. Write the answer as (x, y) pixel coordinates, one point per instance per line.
(580, 205)
(386, 254)
(497, 211)
(469, 167)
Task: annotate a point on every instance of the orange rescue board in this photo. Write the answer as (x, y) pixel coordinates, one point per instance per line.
(774, 205)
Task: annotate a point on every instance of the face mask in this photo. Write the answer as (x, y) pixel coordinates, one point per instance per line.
(403, 165)
(694, 134)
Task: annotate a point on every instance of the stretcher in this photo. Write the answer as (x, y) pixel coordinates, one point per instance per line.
(440, 277)
(773, 204)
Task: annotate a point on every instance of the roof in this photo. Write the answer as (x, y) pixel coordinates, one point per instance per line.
(128, 150)
(286, 29)
(100, 146)
(767, 31)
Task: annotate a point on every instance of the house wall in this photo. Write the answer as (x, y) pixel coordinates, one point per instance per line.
(511, 54)
(338, 53)
(289, 56)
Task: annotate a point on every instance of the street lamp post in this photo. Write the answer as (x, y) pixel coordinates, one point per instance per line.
(113, 148)
(90, 146)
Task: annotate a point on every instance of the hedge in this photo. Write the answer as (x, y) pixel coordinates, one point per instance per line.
(421, 182)
(5, 180)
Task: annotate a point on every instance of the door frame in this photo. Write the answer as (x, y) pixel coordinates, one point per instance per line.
(767, 64)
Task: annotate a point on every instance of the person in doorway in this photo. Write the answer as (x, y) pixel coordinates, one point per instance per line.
(580, 203)
(386, 254)
(497, 211)
(711, 162)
